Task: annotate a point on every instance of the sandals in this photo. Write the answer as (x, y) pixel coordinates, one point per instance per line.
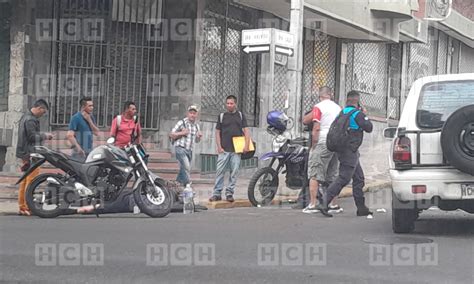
(24, 212)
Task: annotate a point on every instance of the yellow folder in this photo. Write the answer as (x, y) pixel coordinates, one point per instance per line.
(239, 144)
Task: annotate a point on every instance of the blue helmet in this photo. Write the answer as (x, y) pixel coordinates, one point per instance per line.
(277, 120)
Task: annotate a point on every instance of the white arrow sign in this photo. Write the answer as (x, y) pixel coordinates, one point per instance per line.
(249, 49)
(286, 51)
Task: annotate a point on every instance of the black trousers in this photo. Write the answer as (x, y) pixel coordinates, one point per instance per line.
(349, 168)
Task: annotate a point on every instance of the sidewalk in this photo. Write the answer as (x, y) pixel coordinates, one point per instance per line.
(204, 191)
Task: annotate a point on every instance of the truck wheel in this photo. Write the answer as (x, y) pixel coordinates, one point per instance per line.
(457, 139)
(403, 218)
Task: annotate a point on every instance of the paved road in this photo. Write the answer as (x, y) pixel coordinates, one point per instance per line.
(238, 246)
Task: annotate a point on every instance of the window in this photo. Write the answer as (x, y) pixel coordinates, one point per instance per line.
(439, 100)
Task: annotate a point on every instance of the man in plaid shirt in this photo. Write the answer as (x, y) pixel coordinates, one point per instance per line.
(184, 134)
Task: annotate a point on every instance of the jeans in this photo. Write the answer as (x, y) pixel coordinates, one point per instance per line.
(225, 161)
(184, 158)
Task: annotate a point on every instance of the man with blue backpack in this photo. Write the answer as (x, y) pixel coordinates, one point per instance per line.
(345, 137)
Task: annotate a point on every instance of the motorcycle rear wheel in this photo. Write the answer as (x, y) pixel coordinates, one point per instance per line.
(150, 205)
(37, 197)
(266, 189)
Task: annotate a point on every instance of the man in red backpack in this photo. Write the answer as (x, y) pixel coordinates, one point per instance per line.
(348, 155)
(125, 128)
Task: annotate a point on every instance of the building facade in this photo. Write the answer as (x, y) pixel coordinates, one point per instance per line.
(168, 54)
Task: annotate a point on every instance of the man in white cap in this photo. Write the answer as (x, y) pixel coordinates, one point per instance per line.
(185, 133)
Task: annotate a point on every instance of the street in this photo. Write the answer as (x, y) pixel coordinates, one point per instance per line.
(242, 245)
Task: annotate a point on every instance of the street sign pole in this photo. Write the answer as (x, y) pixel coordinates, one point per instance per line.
(295, 66)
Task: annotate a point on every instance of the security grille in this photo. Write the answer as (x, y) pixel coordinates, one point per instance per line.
(319, 66)
(369, 75)
(280, 86)
(422, 58)
(226, 69)
(456, 47)
(466, 63)
(395, 78)
(442, 53)
(123, 64)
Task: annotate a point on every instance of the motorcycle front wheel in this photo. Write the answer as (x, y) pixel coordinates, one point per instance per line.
(263, 187)
(154, 206)
(42, 197)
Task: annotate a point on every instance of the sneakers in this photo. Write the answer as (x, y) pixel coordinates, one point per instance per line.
(363, 211)
(310, 209)
(323, 210)
(229, 198)
(334, 209)
(298, 206)
(215, 198)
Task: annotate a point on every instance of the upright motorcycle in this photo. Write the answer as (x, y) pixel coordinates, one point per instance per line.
(288, 156)
(105, 173)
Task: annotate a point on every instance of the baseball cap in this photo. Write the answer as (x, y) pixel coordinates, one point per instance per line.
(193, 107)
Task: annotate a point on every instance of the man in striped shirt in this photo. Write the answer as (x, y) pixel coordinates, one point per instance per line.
(184, 134)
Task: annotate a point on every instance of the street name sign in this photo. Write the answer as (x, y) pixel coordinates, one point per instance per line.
(264, 40)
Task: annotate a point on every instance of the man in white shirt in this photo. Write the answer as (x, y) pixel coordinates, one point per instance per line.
(322, 163)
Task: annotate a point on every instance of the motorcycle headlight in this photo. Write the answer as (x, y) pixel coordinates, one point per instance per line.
(276, 145)
(279, 141)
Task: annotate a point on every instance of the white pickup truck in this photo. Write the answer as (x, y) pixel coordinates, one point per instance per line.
(432, 154)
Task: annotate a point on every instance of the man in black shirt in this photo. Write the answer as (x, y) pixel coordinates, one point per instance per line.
(29, 136)
(349, 165)
(229, 124)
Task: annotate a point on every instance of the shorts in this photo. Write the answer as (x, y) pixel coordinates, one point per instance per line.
(322, 164)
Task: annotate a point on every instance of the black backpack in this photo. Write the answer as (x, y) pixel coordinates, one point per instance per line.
(338, 135)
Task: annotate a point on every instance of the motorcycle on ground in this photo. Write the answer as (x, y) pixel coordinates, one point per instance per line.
(288, 155)
(103, 176)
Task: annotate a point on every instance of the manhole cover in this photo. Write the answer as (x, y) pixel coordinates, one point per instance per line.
(396, 240)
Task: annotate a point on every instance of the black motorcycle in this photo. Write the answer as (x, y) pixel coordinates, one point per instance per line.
(290, 157)
(101, 179)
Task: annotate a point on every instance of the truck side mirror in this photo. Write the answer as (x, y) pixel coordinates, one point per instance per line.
(390, 132)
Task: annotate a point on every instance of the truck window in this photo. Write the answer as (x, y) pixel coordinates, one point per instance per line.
(439, 100)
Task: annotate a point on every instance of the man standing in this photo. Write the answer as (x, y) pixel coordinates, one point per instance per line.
(229, 124)
(350, 167)
(184, 134)
(124, 127)
(322, 163)
(29, 135)
(81, 128)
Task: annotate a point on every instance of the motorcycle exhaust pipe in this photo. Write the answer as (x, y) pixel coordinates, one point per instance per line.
(81, 189)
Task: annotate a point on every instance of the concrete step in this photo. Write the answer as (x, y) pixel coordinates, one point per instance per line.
(63, 144)
(103, 136)
(160, 155)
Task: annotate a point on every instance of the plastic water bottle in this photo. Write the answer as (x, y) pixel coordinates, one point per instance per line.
(188, 207)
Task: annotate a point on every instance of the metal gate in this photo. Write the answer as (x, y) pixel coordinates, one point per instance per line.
(466, 62)
(226, 69)
(367, 73)
(121, 62)
(319, 66)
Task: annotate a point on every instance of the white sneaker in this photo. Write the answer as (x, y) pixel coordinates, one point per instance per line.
(310, 210)
(334, 209)
(136, 210)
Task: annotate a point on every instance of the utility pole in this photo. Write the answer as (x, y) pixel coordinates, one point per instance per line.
(295, 66)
